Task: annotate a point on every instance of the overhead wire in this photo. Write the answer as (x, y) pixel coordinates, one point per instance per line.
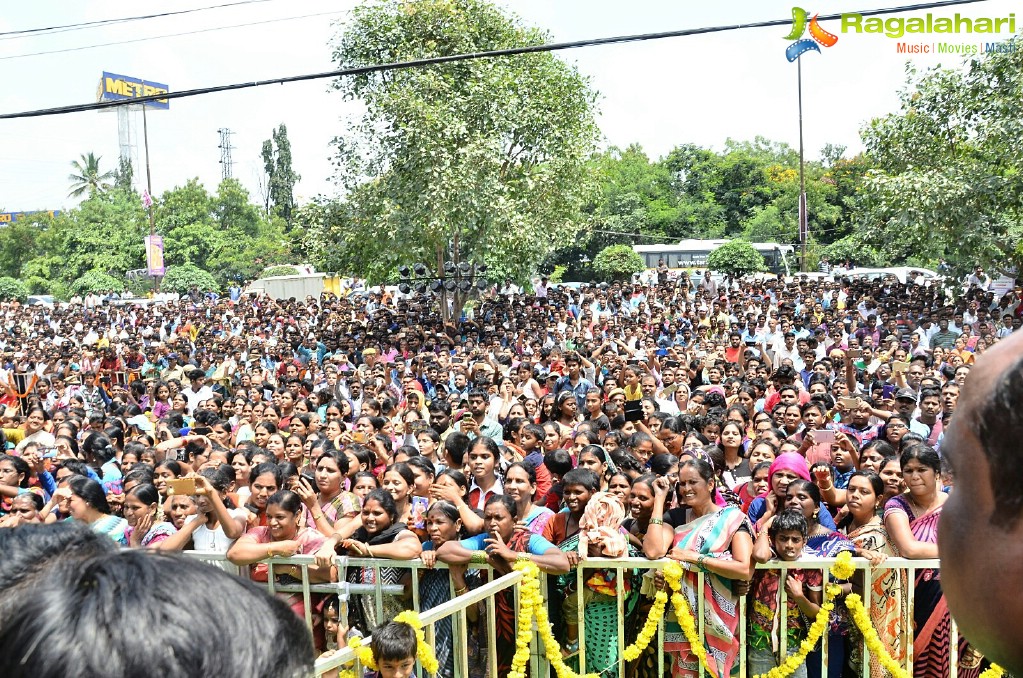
(168, 35)
(99, 23)
(489, 54)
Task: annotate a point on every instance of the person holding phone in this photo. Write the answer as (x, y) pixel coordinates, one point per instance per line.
(216, 525)
(325, 499)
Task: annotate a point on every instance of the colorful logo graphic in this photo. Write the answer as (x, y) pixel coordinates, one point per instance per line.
(803, 45)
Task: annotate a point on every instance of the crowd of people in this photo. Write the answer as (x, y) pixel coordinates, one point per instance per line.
(721, 424)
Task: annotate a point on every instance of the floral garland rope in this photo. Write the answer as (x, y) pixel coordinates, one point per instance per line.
(531, 605)
(673, 577)
(424, 653)
(844, 569)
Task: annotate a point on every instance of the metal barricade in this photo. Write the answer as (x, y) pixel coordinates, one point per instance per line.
(621, 565)
(344, 590)
(456, 607)
(453, 608)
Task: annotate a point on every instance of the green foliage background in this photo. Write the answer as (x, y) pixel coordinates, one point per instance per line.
(736, 258)
(500, 156)
(617, 262)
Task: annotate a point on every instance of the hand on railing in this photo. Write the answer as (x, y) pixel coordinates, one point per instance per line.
(874, 557)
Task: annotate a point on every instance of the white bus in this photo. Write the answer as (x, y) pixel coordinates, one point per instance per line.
(690, 254)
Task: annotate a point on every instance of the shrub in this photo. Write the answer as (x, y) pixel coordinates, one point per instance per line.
(278, 270)
(96, 281)
(617, 262)
(12, 290)
(736, 258)
(182, 279)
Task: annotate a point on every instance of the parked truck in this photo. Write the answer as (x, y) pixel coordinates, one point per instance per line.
(295, 286)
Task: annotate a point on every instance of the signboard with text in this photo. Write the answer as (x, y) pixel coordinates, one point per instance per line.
(113, 87)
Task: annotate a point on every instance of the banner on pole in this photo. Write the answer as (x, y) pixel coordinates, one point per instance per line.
(154, 255)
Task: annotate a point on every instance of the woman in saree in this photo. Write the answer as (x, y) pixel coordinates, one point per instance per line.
(715, 540)
(520, 485)
(865, 529)
(383, 536)
(501, 545)
(89, 505)
(911, 520)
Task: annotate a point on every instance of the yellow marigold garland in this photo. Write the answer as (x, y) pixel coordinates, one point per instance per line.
(424, 653)
(993, 671)
(843, 568)
(875, 646)
(530, 605)
(649, 630)
(673, 575)
(363, 652)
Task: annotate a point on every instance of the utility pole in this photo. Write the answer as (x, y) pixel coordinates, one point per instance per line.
(225, 152)
(804, 234)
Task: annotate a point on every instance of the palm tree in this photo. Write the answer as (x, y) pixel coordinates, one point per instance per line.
(88, 178)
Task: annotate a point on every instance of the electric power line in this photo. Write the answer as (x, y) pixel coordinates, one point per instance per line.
(168, 35)
(29, 32)
(417, 63)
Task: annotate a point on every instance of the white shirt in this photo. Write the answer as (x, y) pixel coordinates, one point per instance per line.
(194, 398)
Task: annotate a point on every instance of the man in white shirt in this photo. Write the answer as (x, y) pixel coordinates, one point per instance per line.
(197, 391)
(789, 350)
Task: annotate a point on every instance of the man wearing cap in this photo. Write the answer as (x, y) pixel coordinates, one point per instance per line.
(905, 404)
(173, 369)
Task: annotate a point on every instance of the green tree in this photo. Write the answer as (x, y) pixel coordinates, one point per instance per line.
(617, 262)
(280, 176)
(12, 290)
(87, 177)
(854, 250)
(124, 174)
(182, 279)
(736, 258)
(488, 153)
(634, 196)
(96, 281)
(949, 182)
(278, 270)
(105, 233)
(223, 233)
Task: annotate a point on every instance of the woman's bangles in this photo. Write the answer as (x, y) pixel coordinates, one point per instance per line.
(478, 558)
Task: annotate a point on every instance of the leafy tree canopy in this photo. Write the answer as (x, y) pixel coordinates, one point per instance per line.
(183, 278)
(949, 177)
(491, 152)
(736, 258)
(617, 262)
(12, 290)
(96, 281)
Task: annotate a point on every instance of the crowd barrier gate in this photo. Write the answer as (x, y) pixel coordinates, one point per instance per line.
(456, 607)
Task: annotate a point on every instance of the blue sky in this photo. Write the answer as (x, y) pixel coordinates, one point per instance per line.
(702, 89)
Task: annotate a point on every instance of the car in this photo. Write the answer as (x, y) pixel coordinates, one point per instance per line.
(41, 300)
(921, 276)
